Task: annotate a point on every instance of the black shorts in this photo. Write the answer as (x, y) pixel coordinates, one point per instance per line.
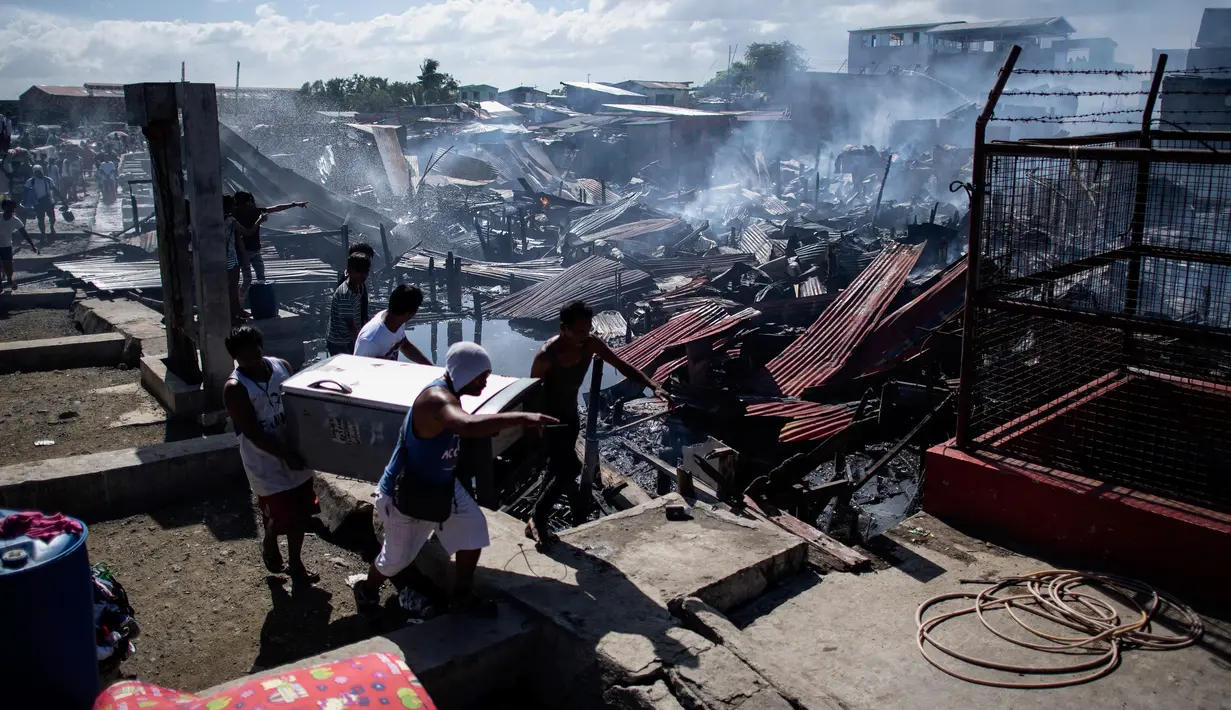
(6, 253)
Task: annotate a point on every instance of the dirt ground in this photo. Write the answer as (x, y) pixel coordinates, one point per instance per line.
(77, 410)
(209, 611)
(35, 324)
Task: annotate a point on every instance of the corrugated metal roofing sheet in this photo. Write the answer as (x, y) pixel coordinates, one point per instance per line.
(679, 111)
(810, 421)
(109, 274)
(901, 334)
(591, 280)
(754, 239)
(705, 322)
(1051, 24)
(630, 230)
(825, 347)
(602, 88)
(642, 352)
(678, 85)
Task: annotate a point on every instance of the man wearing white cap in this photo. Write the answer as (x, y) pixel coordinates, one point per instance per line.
(419, 493)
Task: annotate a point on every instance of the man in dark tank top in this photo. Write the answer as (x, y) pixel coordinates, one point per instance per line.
(561, 364)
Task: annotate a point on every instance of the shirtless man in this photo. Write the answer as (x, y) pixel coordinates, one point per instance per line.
(562, 364)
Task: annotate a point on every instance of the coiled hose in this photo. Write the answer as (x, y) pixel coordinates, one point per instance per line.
(1077, 600)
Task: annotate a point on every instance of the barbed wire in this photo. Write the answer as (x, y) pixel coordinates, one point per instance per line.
(1122, 72)
(1118, 112)
(1112, 93)
(1103, 121)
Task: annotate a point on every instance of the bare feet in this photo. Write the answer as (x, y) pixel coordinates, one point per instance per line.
(543, 537)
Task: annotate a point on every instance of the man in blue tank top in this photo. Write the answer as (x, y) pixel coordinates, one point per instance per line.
(419, 494)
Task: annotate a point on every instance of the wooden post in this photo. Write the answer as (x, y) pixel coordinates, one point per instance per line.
(603, 183)
(431, 280)
(153, 107)
(132, 199)
(478, 319)
(435, 339)
(525, 247)
(345, 244)
(589, 470)
(618, 280)
(816, 192)
(203, 158)
(384, 247)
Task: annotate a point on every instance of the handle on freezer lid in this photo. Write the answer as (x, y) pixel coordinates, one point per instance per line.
(320, 385)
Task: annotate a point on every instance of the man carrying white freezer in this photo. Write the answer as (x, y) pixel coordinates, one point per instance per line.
(384, 336)
(420, 495)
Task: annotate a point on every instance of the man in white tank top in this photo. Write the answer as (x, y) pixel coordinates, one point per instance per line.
(283, 487)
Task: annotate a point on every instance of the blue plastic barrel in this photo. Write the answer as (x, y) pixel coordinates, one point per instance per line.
(48, 658)
(263, 301)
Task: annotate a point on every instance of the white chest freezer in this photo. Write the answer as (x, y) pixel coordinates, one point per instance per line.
(344, 414)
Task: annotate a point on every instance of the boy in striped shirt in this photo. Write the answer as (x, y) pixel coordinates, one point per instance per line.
(344, 306)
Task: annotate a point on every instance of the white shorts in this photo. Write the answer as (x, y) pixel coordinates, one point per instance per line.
(466, 529)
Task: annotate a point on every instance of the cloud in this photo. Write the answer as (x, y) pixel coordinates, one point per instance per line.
(509, 42)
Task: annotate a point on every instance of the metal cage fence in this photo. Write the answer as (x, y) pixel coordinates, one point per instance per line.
(1100, 342)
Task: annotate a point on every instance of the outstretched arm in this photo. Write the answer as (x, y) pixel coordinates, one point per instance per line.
(600, 348)
(413, 353)
(450, 415)
(283, 208)
(30, 241)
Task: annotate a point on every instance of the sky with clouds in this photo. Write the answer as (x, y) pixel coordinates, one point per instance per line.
(499, 42)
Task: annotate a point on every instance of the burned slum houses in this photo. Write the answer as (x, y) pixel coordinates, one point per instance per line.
(800, 304)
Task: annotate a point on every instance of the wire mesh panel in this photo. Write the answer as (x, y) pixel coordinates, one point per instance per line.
(1101, 342)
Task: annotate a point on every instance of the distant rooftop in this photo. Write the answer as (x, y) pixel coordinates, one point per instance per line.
(85, 90)
(662, 110)
(895, 28)
(1057, 25)
(601, 88)
(683, 85)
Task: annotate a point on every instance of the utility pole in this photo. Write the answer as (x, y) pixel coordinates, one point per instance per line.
(183, 72)
(237, 88)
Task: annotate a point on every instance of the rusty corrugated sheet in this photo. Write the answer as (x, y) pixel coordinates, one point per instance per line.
(591, 280)
(825, 347)
(642, 352)
(901, 334)
(810, 421)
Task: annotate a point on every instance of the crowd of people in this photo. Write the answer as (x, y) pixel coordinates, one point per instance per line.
(420, 492)
(37, 173)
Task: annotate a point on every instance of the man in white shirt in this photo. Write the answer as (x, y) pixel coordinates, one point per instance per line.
(10, 224)
(45, 194)
(384, 336)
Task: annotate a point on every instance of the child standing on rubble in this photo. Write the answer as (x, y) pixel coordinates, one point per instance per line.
(344, 316)
(283, 487)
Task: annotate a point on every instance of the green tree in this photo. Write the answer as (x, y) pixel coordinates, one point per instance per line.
(767, 67)
(374, 93)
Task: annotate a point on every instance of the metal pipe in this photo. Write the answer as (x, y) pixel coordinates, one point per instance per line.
(965, 397)
(1132, 288)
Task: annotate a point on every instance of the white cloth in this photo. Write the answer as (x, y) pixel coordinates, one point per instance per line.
(466, 529)
(7, 228)
(466, 361)
(268, 474)
(376, 340)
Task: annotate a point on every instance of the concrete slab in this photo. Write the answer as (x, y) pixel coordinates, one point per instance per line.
(461, 660)
(181, 399)
(102, 350)
(854, 636)
(141, 325)
(718, 557)
(345, 500)
(38, 298)
(642, 697)
(114, 484)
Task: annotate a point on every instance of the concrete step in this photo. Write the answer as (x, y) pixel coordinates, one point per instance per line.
(115, 484)
(102, 350)
(461, 660)
(23, 299)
